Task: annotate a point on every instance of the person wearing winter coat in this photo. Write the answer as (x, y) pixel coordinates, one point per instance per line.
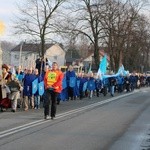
(27, 90)
(53, 86)
(36, 95)
(15, 88)
(70, 73)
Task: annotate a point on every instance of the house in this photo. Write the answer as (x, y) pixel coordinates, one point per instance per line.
(5, 48)
(72, 56)
(26, 54)
(56, 54)
(89, 60)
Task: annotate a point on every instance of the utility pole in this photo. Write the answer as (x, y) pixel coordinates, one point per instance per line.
(20, 54)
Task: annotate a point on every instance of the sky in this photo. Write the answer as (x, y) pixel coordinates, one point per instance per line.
(7, 12)
(8, 9)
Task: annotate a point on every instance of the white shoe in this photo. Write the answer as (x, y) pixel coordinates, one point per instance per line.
(47, 117)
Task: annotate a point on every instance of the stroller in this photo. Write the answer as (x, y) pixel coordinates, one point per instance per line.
(5, 103)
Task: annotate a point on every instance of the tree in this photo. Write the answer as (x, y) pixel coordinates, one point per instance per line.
(105, 23)
(137, 48)
(37, 19)
(83, 19)
(119, 19)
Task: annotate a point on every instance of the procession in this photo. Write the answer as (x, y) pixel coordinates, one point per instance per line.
(47, 85)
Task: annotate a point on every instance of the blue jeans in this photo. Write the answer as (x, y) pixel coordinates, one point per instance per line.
(37, 101)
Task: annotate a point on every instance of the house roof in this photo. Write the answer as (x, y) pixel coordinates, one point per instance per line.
(30, 47)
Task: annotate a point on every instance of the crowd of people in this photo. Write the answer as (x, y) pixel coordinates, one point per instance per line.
(17, 86)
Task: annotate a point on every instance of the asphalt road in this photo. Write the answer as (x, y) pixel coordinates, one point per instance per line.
(105, 123)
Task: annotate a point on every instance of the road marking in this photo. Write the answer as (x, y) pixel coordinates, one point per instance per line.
(42, 121)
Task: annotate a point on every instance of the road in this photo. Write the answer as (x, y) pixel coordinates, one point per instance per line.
(105, 123)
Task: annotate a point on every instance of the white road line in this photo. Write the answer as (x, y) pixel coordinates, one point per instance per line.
(39, 122)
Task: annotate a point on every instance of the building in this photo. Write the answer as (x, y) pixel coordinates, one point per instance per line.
(72, 56)
(26, 54)
(89, 60)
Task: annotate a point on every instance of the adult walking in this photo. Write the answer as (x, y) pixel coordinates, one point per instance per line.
(70, 79)
(27, 89)
(53, 86)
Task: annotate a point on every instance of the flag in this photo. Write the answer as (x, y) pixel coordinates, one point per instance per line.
(34, 86)
(41, 88)
(64, 83)
(85, 86)
(126, 73)
(99, 73)
(49, 63)
(72, 81)
(120, 71)
(91, 85)
(103, 65)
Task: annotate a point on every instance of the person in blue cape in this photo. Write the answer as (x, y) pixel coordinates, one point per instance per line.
(64, 94)
(76, 87)
(120, 83)
(82, 80)
(27, 89)
(36, 95)
(91, 85)
(70, 79)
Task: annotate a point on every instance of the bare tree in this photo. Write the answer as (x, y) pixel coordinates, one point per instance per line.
(37, 19)
(83, 19)
(137, 48)
(104, 22)
(119, 20)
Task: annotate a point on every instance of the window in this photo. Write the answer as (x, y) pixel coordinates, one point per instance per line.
(16, 56)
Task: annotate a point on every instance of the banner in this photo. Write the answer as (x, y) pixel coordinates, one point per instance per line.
(41, 88)
(64, 83)
(72, 81)
(103, 65)
(34, 86)
(85, 86)
(91, 85)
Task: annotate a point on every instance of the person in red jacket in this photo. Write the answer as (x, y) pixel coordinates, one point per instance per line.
(53, 85)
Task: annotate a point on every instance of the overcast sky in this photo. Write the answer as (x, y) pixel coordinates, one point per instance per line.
(7, 10)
